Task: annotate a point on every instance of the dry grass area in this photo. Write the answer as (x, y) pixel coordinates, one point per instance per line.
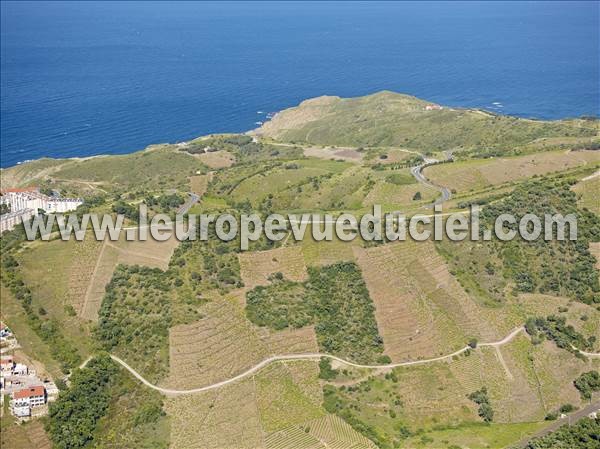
(219, 346)
(101, 275)
(199, 183)
(549, 372)
(595, 250)
(478, 174)
(432, 394)
(420, 308)
(148, 253)
(225, 418)
(256, 267)
(395, 155)
(217, 159)
(289, 341)
(326, 252)
(346, 154)
(328, 431)
(588, 190)
(80, 273)
(389, 195)
(29, 435)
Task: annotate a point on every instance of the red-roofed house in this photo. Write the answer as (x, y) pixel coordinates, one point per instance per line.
(26, 399)
(33, 396)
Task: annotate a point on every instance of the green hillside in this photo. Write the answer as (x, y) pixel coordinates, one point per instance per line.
(392, 119)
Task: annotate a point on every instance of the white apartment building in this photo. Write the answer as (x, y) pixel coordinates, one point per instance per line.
(12, 219)
(24, 204)
(19, 199)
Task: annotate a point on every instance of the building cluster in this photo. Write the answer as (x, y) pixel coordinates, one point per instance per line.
(29, 395)
(433, 107)
(23, 204)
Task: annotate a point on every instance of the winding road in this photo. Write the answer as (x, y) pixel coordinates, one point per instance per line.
(308, 356)
(417, 172)
(313, 356)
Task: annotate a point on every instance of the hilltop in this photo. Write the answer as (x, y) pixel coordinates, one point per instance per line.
(393, 119)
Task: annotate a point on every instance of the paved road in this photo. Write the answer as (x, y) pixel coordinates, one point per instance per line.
(569, 420)
(185, 207)
(309, 356)
(417, 172)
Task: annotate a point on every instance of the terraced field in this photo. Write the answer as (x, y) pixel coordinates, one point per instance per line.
(57, 272)
(257, 266)
(391, 196)
(227, 418)
(321, 433)
(478, 174)
(101, 275)
(281, 403)
(421, 310)
(149, 253)
(215, 348)
(242, 414)
(326, 252)
(224, 343)
(289, 341)
(285, 183)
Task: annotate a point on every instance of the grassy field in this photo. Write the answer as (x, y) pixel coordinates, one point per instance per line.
(464, 176)
(14, 316)
(22, 436)
(474, 435)
(588, 191)
(217, 159)
(57, 273)
(154, 167)
(199, 184)
(424, 405)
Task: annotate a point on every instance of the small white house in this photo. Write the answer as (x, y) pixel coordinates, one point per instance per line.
(6, 364)
(21, 410)
(20, 370)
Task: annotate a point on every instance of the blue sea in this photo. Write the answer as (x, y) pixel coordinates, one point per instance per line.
(86, 78)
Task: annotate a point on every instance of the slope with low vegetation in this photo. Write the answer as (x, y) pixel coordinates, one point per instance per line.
(391, 119)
